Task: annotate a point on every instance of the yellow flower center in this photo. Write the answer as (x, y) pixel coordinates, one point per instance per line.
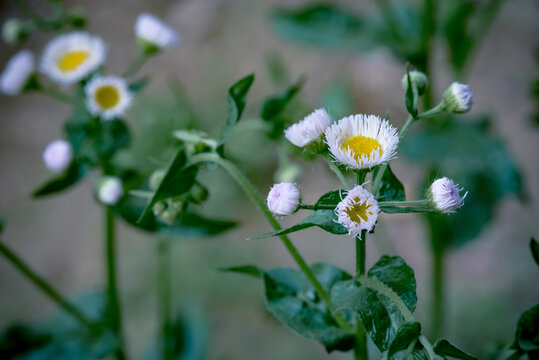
(362, 145)
(107, 96)
(71, 60)
(359, 211)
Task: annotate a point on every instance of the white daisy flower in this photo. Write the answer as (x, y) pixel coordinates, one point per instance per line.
(153, 34)
(457, 98)
(71, 57)
(110, 190)
(283, 198)
(362, 141)
(357, 211)
(20, 68)
(107, 96)
(58, 155)
(444, 194)
(310, 129)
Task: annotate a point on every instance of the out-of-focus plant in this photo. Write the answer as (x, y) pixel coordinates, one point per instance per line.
(322, 302)
(467, 150)
(95, 134)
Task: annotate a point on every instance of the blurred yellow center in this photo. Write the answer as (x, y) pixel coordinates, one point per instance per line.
(361, 145)
(71, 60)
(359, 211)
(107, 96)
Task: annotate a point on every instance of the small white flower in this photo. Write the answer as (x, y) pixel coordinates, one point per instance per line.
(71, 57)
(110, 190)
(310, 129)
(58, 155)
(154, 34)
(357, 211)
(283, 198)
(458, 98)
(17, 73)
(362, 141)
(107, 96)
(445, 195)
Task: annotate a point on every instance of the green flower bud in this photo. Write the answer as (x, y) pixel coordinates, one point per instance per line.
(159, 207)
(156, 178)
(169, 216)
(77, 17)
(14, 31)
(198, 194)
(418, 79)
(178, 205)
(457, 99)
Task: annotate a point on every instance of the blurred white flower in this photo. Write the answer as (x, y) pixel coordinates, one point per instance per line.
(58, 155)
(283, 198)
(107, 96)
(310, 129)
(71, 57)
(153, 34)
(445, 195)
(110, 190)
(17, 73)
(362, 141)
(457, 98)
(357, 211)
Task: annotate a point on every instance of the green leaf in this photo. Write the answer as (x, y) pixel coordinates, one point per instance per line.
(332, 198)
(408, 333)
(139, 85)
(178, 179)
(112, 136)
(292, 299)
(324, 219)
(410, 98)
(527, 334)
(70, 177)
(250, 270)
(391, 189)
(444, 348)
(273, 108)
(534, 247)
(338, 97)
(237, 95)
(460, 39)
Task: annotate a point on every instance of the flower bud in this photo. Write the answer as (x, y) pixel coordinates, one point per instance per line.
(198, 193)
(283, 198)
(110, 190)
(457, 99)
(444, 195)
(418, 79)
(58, 155)
(159, 207)
(77, 17)
(19, 74)
(156, 178)
(169, 216)
(153, 35)
(310, 130)
(14, 31)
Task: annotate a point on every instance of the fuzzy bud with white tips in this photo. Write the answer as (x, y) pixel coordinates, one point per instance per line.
(283, 198)
(444, 195)
(110, 190)
(457, 99)
(58, 155)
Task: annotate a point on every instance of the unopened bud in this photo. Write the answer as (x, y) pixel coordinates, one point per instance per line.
(457, 98)
(418, 79)
(156, 178)
(14, 31)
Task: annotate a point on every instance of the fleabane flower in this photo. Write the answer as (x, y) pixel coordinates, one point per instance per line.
(107, 96)
(18, 72)
(154, 35)
(110, 190)
(283, 198)
(308, 130)
(357, 211)
(444, 195)
(71, 57)
(458, 98)
(362, 141)
(58, 155)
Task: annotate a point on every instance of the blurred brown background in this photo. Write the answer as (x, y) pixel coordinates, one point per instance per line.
(491, 280)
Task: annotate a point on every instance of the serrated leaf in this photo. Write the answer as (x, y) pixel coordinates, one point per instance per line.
(390, 189)
(178, 179)
(408, 333)
(442, 347)
(324, 219)
(68, 178)
(293, 300)
(250, 270)
(534, 247)
(237, 95)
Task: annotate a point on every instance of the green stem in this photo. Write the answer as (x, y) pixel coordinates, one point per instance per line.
(136, 65)
(428, 347)
(44, 286)
(164, 265)
(55, 94)
(427, 35)
(409, 203)
(388, 292)
(246, 185)
(404, 129)
(335, 168)
(361, 253)
(437, 305)
(113, 303)
(360, 349)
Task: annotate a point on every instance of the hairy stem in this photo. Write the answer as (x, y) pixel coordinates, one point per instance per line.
(437, 304)
(335, 168)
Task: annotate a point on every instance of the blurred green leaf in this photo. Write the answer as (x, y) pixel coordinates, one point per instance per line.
(68, 178)
(178, 179)
(292, 299)
(527, 334)
(410, 98)
(408, 332)
(390, 189)
(17, 340)
(139, 85)
(444, 348)
(113, 136)
(237, 95)
(273, 108)
(457, 31)
(534, 247)
(250, 270)
(338, 97)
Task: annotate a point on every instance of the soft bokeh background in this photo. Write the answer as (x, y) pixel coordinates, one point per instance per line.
(490, 280)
